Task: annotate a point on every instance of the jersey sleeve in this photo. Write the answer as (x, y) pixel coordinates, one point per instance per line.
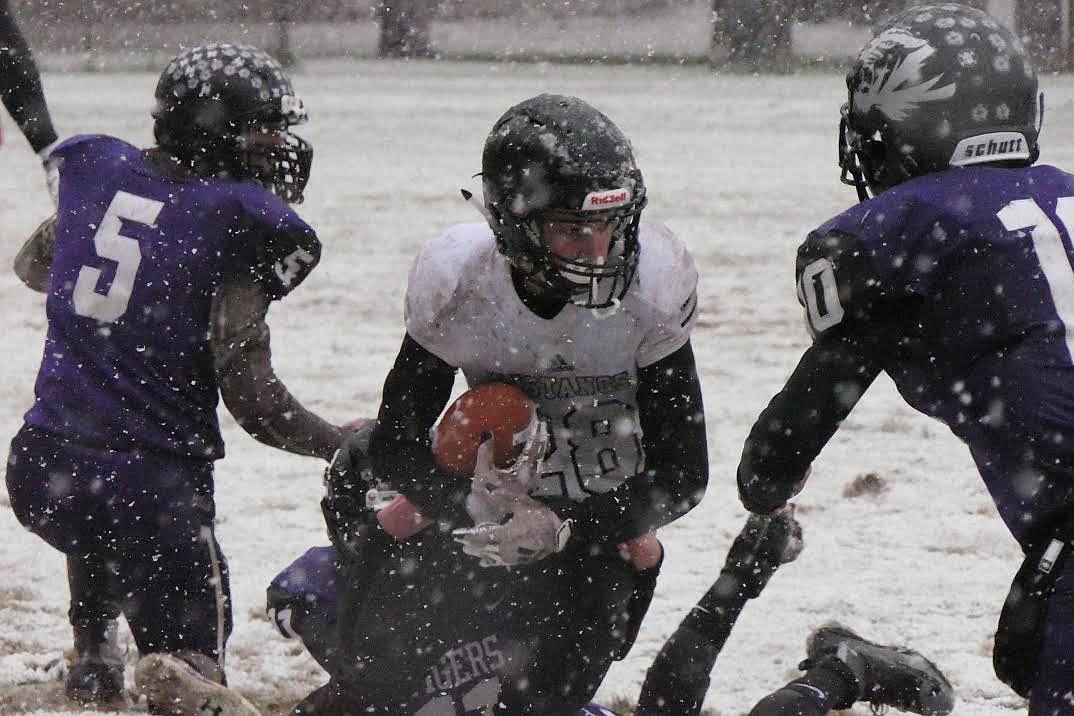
(858, 269)
(667, 278)
(279, 248)
(432, 288)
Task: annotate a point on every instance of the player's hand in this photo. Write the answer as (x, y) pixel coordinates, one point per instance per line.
(531, 532)
(401, 519)
(644, 552)
(494, 491)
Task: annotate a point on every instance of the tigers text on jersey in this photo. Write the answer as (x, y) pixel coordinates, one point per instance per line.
(580, 366)
(137, 258)
(972, 272)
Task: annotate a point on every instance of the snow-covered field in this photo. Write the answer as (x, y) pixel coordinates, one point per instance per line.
(741, 167)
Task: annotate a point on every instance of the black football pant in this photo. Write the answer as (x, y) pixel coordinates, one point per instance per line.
(137, 529)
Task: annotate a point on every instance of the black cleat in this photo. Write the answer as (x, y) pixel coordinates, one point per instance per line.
(93, 682)
(888, 675)
(95, 676)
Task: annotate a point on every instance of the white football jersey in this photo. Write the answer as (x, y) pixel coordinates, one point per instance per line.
(579, 367)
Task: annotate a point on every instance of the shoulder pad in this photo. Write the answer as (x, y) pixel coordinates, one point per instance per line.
(667, 275)
(275, 243)
(81, 144)
(666, 291)
(436, 277)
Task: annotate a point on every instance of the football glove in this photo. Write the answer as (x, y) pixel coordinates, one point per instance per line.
(347, 480)
(765, 542)
(494, 491)
(531, 532)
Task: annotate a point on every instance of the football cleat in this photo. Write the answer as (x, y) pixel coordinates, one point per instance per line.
(93, 682)
(95, 676)
(888, 675)
(174, 687)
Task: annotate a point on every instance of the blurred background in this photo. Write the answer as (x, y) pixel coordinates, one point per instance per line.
(735, 35)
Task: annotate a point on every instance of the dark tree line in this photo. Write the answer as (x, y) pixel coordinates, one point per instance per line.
(756, 35)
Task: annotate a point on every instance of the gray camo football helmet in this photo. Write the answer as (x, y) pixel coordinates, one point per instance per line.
(212, 100)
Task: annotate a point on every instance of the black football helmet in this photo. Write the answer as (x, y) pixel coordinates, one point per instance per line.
(557, 158)
(223, 109)
(938, 86)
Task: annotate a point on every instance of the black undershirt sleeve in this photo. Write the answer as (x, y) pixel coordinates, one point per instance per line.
(415, 392)
(672, 418)
(829, 380)
(20, 84)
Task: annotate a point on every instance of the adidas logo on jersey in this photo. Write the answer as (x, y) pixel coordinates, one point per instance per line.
(992, 147)
(560, 365)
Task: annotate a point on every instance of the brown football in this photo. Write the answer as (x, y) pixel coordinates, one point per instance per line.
(497, 409)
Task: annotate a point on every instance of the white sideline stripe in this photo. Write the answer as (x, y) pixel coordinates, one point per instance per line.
(218, 591)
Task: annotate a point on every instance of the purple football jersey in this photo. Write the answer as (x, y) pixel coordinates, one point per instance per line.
(138, 255)
(974, 270)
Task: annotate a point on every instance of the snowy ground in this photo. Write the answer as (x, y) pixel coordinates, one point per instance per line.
(741, 167)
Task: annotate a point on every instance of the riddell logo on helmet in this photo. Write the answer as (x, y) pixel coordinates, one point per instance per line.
(610, 199)
(993, 147)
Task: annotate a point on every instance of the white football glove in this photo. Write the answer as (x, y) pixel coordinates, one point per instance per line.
(493, 490)
(531, 533)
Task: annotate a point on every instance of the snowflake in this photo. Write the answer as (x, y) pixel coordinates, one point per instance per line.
(955, 39)
(979, 113)
(967, 58)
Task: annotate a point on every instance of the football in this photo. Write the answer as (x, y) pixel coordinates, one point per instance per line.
(497, 409)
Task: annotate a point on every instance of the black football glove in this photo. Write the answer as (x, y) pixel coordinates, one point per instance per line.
(347, 479)
(765, 542)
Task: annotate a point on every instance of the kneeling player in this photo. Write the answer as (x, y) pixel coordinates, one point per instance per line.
(430, 628)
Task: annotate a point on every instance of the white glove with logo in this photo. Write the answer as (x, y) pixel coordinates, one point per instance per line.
(493, 490)
(531, 532)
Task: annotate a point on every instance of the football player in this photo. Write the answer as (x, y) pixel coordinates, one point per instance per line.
(20, 85)
(955, 276)
(841, 667)
(160, 266)
(565, 293)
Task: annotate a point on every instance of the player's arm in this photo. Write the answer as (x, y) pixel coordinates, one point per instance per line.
(416, 390)
(846, 312)
(789, 434)
(34, 259)
(252, 392)
(672, 417)
(20, 84)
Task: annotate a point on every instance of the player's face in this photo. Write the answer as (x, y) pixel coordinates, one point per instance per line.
(587, 241)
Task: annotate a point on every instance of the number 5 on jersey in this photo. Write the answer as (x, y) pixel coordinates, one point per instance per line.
(110, 244)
